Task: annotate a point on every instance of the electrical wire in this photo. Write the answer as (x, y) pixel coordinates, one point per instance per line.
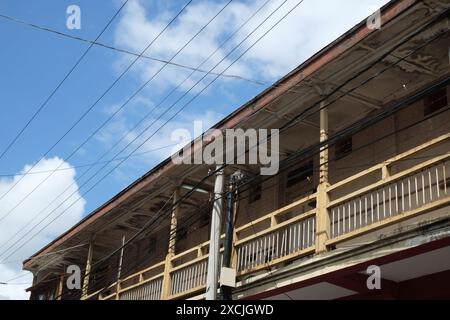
(168, 109)
(91, 107)
(141, 121)
(128, 52)
(42, 106)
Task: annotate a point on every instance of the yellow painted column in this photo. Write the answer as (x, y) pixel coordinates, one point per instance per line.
(322, 216)
(85, 288)
(60, 287)
(172, 242)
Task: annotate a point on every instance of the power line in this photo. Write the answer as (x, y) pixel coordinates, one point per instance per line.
(123, 159)
(167, 110)
(185, 105)
(129, 142)
(128, 52)
(41, 107)
(95, 103)
(87, 164)
(89, 110)
(146, 116)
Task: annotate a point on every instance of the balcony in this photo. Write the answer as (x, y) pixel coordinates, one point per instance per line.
(411, 184)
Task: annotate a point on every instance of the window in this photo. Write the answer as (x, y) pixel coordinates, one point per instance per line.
(205, 216)
(151, 244)
(302, 173)
(343, 147)
(181, 233)
(435, 101)
(255, 191)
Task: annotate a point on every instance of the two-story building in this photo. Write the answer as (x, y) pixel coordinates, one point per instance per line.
(364, 181)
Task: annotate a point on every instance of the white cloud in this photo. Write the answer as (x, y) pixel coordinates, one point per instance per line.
(306, 30)
(20, 216)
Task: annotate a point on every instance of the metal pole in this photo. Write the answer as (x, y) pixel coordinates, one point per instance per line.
(228, 245)
(232, 199)
(214, 243)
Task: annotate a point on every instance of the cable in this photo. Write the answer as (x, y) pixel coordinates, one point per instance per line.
(106, 46)
(96, 102)
(41, 107)
(146, 116)
(87, 111)
(145, 141)
(123, 148)
(88, 164)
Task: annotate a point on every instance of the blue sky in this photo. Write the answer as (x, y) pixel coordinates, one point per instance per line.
(34, 61)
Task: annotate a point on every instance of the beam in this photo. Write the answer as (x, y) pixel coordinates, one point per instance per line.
(119, 269)
(322, 216)
(87, 272)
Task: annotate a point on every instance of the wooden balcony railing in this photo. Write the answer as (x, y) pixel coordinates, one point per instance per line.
(391, 198)
(277, 241)
(290, 232)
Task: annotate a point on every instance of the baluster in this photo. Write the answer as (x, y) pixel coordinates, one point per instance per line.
(365, 202)
(257, 252)
(360, 212)
(371, 208)
(409, 193)
(423, 188)
(343, 218)
(293, 240)
(339, 221)
(417, 191)
(285, 241)
(276, 248)
(430, 185)
(313, 238)
(444, 173)
(378, 205)
(437, 183)
(290, 239)
(403, 197)
(332, 223)
(309, 243)
(390, 201)
(304, 233)
(349, 217)
(396, 198)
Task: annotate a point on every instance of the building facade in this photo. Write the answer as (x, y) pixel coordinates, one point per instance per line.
(363, 186)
